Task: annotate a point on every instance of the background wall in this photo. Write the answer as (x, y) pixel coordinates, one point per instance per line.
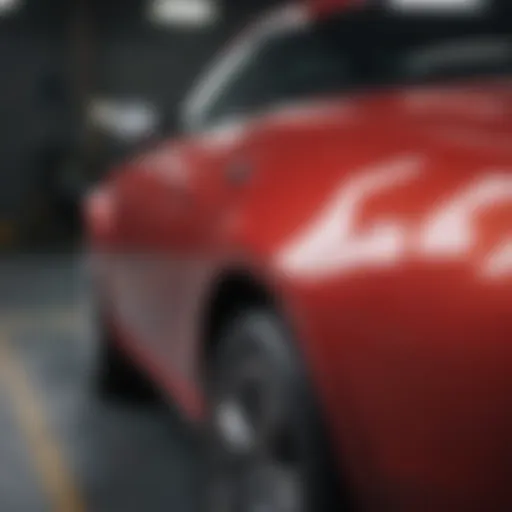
(36, 102)
(56, 58)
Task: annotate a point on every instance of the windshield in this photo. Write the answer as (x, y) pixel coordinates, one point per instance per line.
(379, 49)
(366, 48)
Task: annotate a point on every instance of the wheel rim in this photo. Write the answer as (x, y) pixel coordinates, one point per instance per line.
(257, 464)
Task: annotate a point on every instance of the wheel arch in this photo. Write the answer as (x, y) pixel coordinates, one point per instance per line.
(232, 292)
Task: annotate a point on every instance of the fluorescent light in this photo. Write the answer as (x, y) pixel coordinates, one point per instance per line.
(8, 6)
(183, 12)
(124, 119)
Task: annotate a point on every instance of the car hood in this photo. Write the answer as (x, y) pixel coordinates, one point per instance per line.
(380, 176)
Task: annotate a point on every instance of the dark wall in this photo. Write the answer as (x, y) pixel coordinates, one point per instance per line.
(36, 104)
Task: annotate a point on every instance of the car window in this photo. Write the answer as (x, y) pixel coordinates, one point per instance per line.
(283, 68)
(479, 56)
(364, 49)
(240, 93)
(422, 50)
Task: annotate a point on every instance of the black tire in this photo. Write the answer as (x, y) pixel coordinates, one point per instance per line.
(258, 341)
(117, 378)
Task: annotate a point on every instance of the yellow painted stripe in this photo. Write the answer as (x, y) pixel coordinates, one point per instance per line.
(44, 449)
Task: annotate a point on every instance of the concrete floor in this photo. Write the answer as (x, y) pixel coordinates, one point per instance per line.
(61, 449)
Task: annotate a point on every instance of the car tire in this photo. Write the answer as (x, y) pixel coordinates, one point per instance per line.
(117, 379)
(267, 448)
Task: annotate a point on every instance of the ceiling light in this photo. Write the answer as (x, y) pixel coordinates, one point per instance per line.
(8, 6)
(183, 12)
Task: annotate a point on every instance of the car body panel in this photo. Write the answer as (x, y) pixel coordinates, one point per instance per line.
(382, 222)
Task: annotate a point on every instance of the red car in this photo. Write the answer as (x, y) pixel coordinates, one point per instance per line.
(319, 267)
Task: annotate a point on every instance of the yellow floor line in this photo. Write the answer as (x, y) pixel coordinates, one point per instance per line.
(44, 449)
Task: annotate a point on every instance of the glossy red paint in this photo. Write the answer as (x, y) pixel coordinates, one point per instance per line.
(383, 225)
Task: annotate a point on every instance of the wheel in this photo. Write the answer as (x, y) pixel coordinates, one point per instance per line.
(267, 449)
(117, 379)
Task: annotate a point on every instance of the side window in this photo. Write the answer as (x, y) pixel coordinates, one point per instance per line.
(459, 58)
(246, 92)
(284, 68)
(306, 66)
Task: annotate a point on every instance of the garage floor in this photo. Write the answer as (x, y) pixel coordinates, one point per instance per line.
(60, 449)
